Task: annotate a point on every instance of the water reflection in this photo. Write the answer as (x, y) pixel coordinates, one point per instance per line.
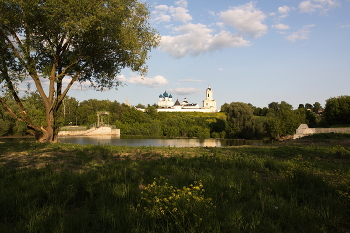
(140, 141)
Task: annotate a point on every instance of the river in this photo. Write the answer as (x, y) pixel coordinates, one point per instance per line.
(141, 141)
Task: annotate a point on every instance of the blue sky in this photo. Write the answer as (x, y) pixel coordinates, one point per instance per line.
(248, 51)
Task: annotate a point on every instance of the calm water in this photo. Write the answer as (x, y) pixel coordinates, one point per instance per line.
(137, 141)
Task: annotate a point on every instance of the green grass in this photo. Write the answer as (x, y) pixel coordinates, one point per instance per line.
(73, 128)
(340, 126)
(328, 136)
(76, 188)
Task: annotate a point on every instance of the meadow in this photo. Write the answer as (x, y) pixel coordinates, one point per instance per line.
(294, 186)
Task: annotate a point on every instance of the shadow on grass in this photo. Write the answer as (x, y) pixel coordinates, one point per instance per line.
(98, 188)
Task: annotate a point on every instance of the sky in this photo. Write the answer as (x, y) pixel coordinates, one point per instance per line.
(254, 52)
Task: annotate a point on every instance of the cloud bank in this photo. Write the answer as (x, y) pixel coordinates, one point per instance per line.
(195, 39)
(317, 5)
(246, 19)
(233, 28)
(154, 82)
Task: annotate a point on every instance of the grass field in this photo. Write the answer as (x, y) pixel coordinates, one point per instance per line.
(295, 186)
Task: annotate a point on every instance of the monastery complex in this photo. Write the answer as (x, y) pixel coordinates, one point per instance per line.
(166, 103)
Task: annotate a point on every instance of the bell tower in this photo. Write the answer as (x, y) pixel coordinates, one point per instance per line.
(209, 102)
(209, 94)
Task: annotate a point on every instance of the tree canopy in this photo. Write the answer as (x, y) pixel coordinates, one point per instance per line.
(60, 42)
(337, 110)
(240, 118)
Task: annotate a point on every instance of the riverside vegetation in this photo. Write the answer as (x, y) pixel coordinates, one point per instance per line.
(293, 186)
(236, 120)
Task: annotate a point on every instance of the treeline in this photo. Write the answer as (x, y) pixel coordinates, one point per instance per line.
(236, 120)
(275, 121)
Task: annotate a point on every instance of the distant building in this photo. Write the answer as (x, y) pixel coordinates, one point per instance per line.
(165, 100)
(209, 102)
(166, 104)
(127, 102)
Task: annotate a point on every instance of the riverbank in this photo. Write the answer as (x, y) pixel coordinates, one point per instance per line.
(293, 186)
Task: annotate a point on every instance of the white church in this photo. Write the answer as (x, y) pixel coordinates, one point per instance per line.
(166, 104)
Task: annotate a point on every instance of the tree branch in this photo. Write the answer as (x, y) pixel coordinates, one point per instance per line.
(66, 44)
(63, 95)
(32, 72)
(18, 101)
(30, 125)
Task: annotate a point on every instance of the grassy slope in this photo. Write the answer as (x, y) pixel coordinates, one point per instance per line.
(295, 186)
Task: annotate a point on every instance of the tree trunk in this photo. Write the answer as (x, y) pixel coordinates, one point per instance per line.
(50, 133)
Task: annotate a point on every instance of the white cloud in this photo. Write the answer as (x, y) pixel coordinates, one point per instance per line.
(156, 81)
(345, 26)
(280, 26)
(246, 19)
(195, 39)
(323, 6)
(161, 8)
(163, 18)
(180, 14)
(185, 91)
(181, 3)
(160, 13)
(220, 25)
(283, 10)
(306, 6)
(164, 13)
(191, 80)
(301, 34)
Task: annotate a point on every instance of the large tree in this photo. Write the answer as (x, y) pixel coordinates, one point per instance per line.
(337, 110)
(240, 119)
(67, 41)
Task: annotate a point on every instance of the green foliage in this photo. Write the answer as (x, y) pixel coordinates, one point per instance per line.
(69, 111)
(4, 127)
(198, 131)
(172, 209)
(246, 121)
(283, 120)
(35, 108)
(308, 106)
(337, 110)
(68, 41)
(152, 123)
(317, 106)
(240, 120)
(175, 124)
(260, 127)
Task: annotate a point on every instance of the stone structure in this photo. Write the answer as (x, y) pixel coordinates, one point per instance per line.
(166, 104)
(304, 130)
(101, 118)
(127, 102)
(165, 100)
(209, 102)
(94, 131)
